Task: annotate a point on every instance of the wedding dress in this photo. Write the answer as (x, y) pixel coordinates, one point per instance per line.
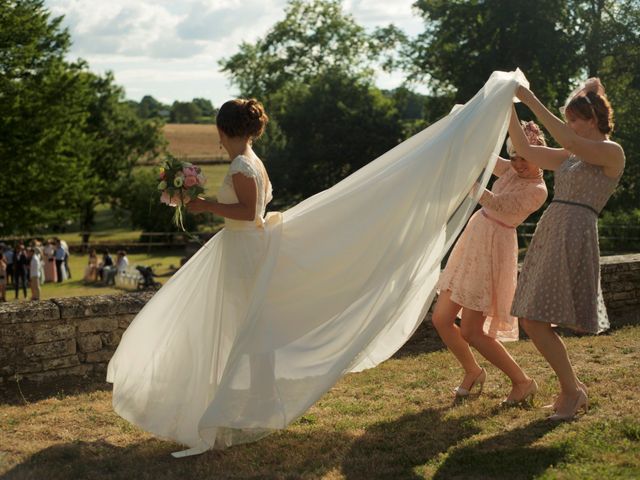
(269, 314)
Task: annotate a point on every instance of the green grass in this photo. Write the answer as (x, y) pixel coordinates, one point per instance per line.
(160, 260)
(396, 421)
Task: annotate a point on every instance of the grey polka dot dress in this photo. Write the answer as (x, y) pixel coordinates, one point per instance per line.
(560, 278)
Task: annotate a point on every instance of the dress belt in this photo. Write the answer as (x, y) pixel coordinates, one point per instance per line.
(567, 202)
(486, 215)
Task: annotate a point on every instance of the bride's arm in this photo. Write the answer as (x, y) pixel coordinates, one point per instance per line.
(246, 191)
(606, 154)
(544, 157)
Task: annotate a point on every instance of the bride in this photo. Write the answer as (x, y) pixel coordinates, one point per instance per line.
(272, 311)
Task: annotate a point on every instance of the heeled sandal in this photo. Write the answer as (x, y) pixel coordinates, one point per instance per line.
(581, 403)
(525, 398)
(462, 392)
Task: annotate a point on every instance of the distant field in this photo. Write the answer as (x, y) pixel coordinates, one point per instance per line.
(194, 142)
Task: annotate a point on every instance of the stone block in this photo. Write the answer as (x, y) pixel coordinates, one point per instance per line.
(56, 332)
(62, 362)
(111, 339)
(55, 349)
(623, 295)
(124, 321)
(89, 343)
(99, 324)
(27, 367)
(28, 312)
(98, 357)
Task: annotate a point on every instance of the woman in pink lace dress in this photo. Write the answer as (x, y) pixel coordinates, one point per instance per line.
(480, 276)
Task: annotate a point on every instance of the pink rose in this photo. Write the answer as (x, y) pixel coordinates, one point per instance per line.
(189, 171)
(190, 181)
(201, 179)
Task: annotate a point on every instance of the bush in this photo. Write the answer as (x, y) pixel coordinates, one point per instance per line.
(140, 196)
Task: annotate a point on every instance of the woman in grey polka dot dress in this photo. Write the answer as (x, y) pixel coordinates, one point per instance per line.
(560, 279)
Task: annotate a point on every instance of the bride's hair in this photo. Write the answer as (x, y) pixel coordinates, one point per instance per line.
(242, 118)
(590, 101)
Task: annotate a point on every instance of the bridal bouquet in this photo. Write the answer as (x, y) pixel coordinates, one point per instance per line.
(180, 182)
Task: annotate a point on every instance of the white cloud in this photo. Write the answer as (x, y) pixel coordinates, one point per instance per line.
(170, 49)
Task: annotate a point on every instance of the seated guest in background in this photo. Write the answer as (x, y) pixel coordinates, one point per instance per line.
(107, 262)
(123, 262)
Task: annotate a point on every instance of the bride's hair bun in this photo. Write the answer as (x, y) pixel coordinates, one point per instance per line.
(242, 118)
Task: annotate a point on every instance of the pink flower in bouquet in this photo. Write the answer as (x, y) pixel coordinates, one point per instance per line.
(190, 181)
(190, 171)
(201, 179)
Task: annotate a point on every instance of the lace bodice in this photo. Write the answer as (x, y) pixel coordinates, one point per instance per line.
(252, 168)
(513, 198)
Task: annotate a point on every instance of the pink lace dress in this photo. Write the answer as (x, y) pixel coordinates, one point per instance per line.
(482, 269)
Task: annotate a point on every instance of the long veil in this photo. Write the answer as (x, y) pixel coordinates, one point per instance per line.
(347, 278)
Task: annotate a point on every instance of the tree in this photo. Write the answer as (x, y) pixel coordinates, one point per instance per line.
(44, 152)
(184, 112)
(465, 41)
(149, 108)
(67, 135)
(313, 70)
(119, 138)
(556, 43)
(334, 125)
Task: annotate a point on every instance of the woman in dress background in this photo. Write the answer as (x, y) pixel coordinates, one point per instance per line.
(560, 279)
(480, 276)
(91, 270)
(50, 272)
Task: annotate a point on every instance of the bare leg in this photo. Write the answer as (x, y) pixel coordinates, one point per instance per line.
(552, 348)
(494, 351)
(443, 319)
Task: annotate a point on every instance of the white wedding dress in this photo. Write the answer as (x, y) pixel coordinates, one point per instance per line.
(269, 314)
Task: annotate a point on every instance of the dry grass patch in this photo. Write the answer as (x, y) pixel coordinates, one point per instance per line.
(194, 141)
(395, 421)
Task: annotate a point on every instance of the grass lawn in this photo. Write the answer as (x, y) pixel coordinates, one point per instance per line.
(396, 421)
(160, 260)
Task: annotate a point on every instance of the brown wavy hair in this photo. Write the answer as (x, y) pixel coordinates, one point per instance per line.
(242, 118)
(591, 102)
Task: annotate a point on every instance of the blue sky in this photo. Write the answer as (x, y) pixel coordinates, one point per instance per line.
(170, 49)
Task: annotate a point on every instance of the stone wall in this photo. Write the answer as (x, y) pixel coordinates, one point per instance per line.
(63, 336)
(77, 336)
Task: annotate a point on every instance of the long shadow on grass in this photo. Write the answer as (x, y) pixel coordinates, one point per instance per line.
(393, 449)
(510, 455)
(386, 450)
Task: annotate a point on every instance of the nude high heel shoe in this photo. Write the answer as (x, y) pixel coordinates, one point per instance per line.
(525, 398)
(554, 406)
(462, 392)
(581, 403)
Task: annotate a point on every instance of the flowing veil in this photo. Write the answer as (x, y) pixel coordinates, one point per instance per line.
(347, 276)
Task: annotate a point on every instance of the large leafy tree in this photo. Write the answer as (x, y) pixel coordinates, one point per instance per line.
(555, 42)
(313, 70)
(66, 135)
(44, 152)
(464, 41)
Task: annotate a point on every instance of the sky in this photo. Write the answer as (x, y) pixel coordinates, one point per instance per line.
(170, 48)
